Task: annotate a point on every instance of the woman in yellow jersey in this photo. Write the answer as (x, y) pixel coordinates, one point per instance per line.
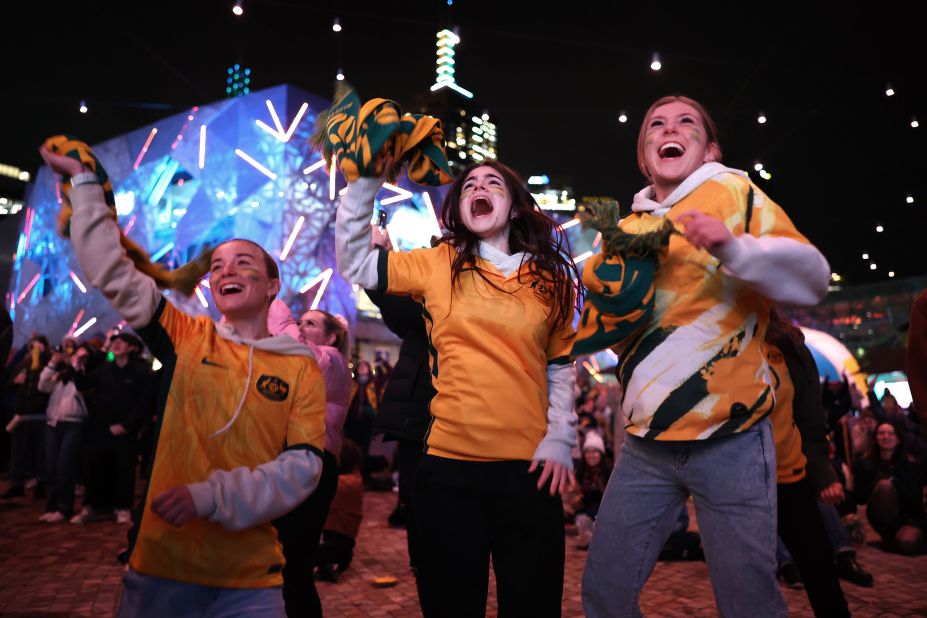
(497, 297)
(241, 432)
(696, 386)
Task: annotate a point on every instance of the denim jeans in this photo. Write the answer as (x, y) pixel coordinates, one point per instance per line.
(62, 452)
(733, 482)
(144, 596)
(836, 532)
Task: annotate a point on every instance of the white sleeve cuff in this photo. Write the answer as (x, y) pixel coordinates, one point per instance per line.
(782, 269)
(242, 498)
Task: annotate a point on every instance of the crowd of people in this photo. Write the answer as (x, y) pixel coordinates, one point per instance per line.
(259, 434)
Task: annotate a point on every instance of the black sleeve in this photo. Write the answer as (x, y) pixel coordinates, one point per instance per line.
(809, 417)
(401, 314)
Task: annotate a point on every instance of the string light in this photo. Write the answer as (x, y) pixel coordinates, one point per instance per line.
(758, 166)
(83, 106)
(865, 256)
(880, 229)
(336, 27)
(889, 91)
(872, 266)
(238, 9)
(655, 64)
(891, 273)
(340, 75)
(761, 118)
(909, 199)
(622, 118)
(914, 122)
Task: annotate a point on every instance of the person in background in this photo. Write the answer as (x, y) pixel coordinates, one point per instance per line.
(27, 450)
(339, 533)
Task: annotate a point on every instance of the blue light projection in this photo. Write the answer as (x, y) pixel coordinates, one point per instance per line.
(242, 176)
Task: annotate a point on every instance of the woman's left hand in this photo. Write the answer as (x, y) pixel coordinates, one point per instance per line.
(561, 478)
(704, 232)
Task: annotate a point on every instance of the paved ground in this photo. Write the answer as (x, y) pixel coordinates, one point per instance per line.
(66, 570)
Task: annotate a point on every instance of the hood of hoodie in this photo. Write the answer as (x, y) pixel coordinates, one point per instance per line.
(281, 344)
(644, 202)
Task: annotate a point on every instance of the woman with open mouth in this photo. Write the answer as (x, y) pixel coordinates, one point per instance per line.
(697, 389)
(242, 422)
(497, 295)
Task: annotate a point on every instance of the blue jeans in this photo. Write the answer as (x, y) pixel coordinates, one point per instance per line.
(62, 453)
(145, 595)
(836, 532)
(733, 482)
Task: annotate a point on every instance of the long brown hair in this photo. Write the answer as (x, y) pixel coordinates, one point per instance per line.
(546, 245)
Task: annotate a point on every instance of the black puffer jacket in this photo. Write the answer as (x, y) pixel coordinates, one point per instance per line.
(403, 413)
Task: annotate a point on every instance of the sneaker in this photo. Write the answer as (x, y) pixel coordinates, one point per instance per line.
(84, 516)
(123, 516)
(328, 573)
(54, 517)
(45, 516)
(16, 491)
(849, 569)
(790, 576)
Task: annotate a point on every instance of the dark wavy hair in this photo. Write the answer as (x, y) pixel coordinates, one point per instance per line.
(539, 236)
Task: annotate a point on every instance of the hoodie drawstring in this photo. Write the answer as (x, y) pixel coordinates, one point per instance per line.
(243, 395)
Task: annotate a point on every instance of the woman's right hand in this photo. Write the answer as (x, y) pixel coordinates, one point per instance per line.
(60, 164)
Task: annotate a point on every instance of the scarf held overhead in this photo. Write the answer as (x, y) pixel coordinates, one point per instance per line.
(356, 135)
(184, 279)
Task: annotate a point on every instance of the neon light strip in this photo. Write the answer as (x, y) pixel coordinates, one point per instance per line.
(160, 254)
(598, 239)
(292, 238)
(392, 237)
(255, 164)
(76, 321)
(78, 283)
(199, 294)
(593, 372)
(141, 155)
(595, 363)
(268, 129)
(202, 146)
(29, 287)
(434, 215)
(570, 223)
(612, 354)
(318, 164)
(402, 194)
(80, 331)
(331, 181)
(129, 226)
(30, 214)
(582, 257)
(295, 123)
(205, 283)
(324, 277)
(273, 115)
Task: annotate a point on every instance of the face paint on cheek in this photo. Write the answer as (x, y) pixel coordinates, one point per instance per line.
(251, 273)
(499, 190)
(696, 136)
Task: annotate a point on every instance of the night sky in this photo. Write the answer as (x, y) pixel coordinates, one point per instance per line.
(842, 155)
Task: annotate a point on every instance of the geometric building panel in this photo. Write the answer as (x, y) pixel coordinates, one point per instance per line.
(236, 168)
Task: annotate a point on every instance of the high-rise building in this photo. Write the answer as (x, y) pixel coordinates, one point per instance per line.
(468, 130)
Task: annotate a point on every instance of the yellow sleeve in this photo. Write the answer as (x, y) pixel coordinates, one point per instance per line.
(408, 272)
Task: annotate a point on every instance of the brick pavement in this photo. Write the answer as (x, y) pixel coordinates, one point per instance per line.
(66, 570)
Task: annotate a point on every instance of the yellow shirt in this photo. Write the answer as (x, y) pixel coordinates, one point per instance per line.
(204, 378)
(790, 460)
(698, 369)
(489, 353)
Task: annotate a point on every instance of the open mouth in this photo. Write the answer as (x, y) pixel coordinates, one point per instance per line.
(230, 288)
(671, 150)
(480, 207)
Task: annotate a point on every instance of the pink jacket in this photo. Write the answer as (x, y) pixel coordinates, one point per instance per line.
(334, 369)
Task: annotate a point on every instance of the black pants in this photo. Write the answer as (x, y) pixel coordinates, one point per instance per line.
(467, 511)
(299, 532)
(336, 549)
(109, 470)
(802, 530)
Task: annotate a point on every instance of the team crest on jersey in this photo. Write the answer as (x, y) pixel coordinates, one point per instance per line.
(273, 388)
(543, 291)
